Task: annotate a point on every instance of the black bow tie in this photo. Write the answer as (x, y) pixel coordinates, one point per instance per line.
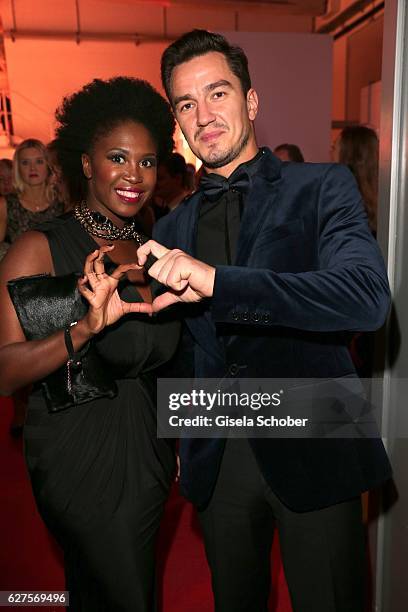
(214, 186)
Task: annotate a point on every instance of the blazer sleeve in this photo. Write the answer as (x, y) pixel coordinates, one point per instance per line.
(348, 291)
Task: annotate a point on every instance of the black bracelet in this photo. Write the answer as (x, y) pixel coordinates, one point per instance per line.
(74, 359)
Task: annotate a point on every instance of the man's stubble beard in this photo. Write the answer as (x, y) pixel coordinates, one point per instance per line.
(223, 158)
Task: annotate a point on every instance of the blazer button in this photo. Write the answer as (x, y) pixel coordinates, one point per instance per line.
(233, 369)
(245, 316)
(256, 317)
(266, 318)
(235, 316)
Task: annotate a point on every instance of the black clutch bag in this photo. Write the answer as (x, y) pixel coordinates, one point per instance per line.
(45, 304)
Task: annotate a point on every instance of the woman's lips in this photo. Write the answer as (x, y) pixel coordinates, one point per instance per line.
(129, 195)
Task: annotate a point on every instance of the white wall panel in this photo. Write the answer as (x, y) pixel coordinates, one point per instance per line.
(41, 72)
(249, 20)
(293, 76)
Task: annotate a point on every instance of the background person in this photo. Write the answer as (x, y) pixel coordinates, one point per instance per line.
(99, 474)
(6, 176)
(32, 202)
(191, 177)
(61, 189)
(289, 153)
(6, 187)
(173, 184)
(357, 147)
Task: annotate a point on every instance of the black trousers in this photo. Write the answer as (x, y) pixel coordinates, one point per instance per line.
(323, 552)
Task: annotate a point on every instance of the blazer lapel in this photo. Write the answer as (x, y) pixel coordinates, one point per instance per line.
(264, 194)
(187, 225)
(200, 324)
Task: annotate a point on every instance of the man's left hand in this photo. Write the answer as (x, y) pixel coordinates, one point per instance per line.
(188, 279)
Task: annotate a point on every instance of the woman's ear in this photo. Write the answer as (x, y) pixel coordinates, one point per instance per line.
(86, 165)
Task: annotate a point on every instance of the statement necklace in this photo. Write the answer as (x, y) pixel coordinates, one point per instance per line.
(98, 225)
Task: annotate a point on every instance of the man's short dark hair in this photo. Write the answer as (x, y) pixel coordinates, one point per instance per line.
(200, 42)
(7, 163)
(175, 164)
(293, 151)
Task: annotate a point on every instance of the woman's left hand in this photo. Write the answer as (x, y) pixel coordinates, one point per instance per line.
(100, 291)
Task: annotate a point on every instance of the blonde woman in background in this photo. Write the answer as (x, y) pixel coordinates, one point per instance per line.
(32, 202)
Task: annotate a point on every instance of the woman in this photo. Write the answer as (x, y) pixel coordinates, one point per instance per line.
(357, 148)
(33, 202)
(99, 474)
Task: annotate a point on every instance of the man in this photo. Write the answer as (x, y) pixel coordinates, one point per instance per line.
(6, 187)
(172, 184)
(289, 153)
(6, 178)
(276, 261)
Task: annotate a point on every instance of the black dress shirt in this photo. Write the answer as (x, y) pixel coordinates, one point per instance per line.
(219, 221)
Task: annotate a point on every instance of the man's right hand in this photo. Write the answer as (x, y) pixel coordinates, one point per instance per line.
(188, 279)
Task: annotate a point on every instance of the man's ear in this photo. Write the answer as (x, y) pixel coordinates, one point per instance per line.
(86, 165)
(252, 104)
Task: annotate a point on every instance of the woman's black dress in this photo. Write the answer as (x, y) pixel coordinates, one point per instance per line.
(99, 473)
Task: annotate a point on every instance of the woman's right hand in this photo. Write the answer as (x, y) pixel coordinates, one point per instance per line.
(100, 291)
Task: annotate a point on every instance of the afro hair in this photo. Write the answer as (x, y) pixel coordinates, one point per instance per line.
(99, 107)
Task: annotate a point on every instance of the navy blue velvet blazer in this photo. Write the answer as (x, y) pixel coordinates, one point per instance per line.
(307, 269)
